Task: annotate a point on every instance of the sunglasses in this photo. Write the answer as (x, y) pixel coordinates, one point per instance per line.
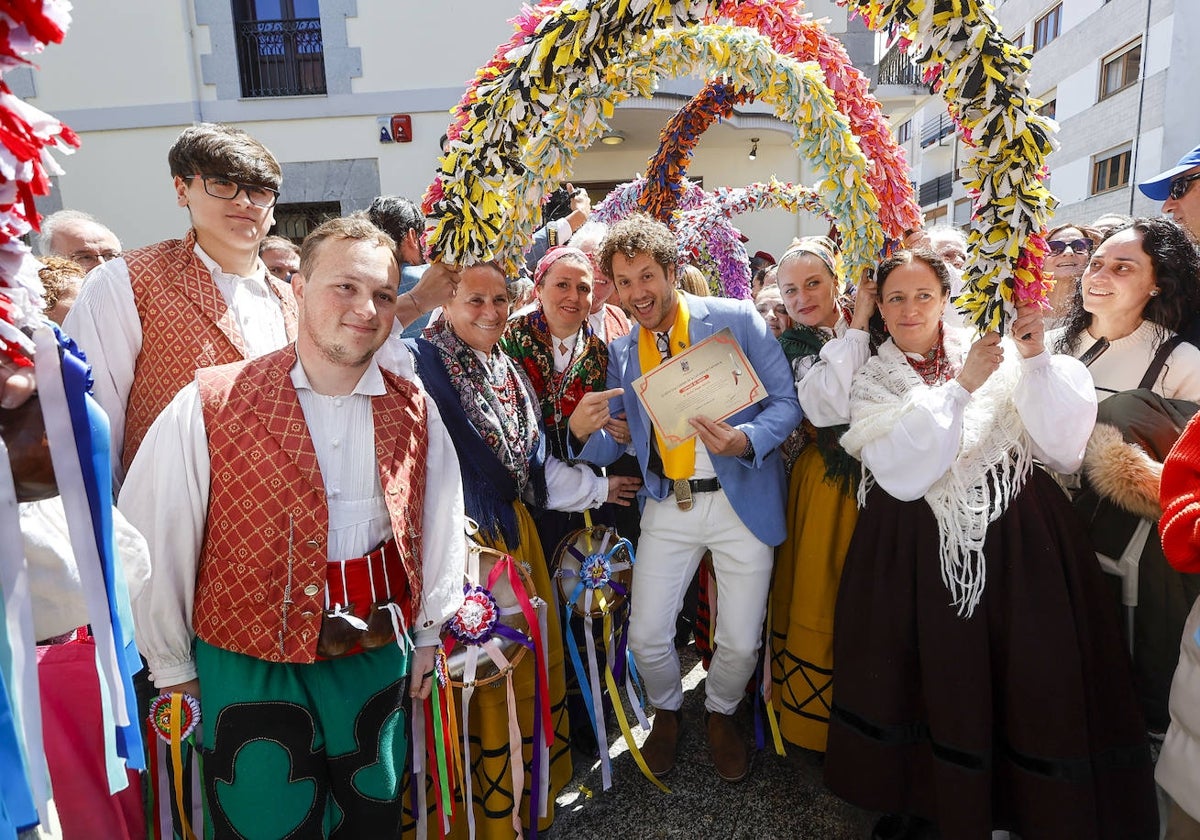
(1079, 246)
(1180, 186)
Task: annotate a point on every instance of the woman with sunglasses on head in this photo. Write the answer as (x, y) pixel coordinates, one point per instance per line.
(828, 342)
(1069, 249)
(1139, 288)
(982, 684)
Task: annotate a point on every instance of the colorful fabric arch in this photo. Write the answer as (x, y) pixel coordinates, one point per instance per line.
(560, 50)
(982, 77)
(795, 33)
(745, 58)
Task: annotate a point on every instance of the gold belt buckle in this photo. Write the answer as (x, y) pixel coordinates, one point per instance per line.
(683, 494)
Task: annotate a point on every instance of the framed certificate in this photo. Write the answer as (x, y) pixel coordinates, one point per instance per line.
(712, 379)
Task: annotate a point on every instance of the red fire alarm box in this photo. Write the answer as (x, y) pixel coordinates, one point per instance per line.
(402, 128)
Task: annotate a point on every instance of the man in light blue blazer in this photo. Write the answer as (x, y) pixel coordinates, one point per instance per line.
(731, 502)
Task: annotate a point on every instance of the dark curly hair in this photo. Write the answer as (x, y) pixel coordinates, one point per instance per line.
(639, 234)
(1176, 264)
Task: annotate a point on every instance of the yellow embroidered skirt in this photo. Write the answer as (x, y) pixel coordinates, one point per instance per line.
(808, 567)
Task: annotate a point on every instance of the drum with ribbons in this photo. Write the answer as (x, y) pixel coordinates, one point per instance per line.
(494, 629)
(593, 573)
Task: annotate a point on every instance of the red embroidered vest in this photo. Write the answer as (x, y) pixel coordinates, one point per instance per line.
(261, 582)
(186, 325)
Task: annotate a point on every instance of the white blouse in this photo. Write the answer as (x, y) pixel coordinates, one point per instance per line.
(823, 382)
(1054, 398)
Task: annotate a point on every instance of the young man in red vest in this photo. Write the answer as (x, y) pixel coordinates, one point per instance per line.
(150, 318)
(303, 513)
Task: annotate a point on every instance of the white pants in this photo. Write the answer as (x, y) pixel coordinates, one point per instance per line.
(669, 551)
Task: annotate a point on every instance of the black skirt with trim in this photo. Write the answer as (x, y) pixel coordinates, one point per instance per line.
(1022, 717)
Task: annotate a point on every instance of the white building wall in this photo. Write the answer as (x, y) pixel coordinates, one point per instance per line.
(1149, 115)
(129, 95)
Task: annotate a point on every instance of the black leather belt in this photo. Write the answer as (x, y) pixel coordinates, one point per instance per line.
(704, 485)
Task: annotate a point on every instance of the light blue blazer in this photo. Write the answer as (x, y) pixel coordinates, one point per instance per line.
(757, 489)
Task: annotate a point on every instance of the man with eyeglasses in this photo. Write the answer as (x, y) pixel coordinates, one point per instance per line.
(78, 236)
(150, 318)
(1178, 191)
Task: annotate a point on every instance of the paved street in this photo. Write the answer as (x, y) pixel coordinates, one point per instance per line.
(782, 798)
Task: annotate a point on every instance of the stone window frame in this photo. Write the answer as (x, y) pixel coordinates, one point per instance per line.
(220, 67)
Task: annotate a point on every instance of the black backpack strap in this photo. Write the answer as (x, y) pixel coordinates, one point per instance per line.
(1160, 359)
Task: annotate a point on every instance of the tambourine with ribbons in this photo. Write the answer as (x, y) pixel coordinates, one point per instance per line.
(593, 570)
(501, 621)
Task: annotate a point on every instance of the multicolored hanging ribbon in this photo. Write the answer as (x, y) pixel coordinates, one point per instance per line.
(478, 625)
(173, 719)
(597, 573)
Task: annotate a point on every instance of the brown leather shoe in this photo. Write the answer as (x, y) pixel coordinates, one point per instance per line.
(659, 749)
(728, 747)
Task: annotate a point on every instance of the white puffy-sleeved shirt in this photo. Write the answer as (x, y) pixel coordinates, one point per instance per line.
(165, 496)
(1053, 396)
(823, 381)
(104, 322)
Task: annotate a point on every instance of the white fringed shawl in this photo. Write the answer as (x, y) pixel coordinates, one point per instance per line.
(994, 455)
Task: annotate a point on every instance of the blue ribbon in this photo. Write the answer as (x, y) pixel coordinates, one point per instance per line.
(17, 809)
(92, 443)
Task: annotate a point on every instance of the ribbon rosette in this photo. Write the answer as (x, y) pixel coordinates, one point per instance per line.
(476, 619)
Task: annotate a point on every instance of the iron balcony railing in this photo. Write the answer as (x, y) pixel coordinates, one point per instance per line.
(934, 130)
(281, 57)
(896, 68)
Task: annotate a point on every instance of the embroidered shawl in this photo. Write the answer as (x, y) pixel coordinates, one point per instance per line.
(492, 417)
(529, 343)
(994, 456)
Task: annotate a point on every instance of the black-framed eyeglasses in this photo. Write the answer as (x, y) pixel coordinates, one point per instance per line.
(218, 186)
(1079, 246)
(1180, 186)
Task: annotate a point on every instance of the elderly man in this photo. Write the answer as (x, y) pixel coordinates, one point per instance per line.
(1176, 189)
(78, 236)
(281, 257)
(722, 491)
(301, 514)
